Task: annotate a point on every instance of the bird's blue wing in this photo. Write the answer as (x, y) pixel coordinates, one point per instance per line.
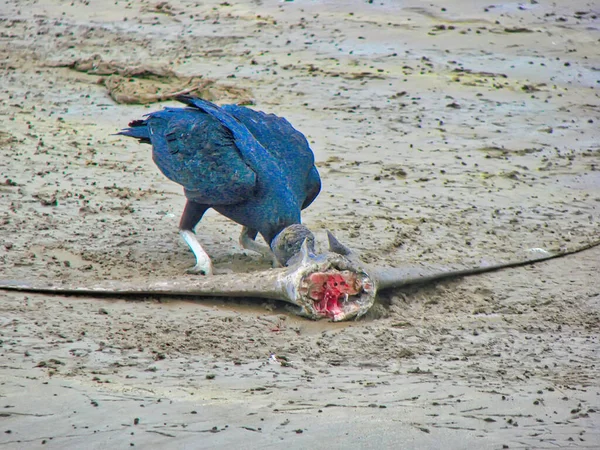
(287, 145)
(197, 151)
(218, 154)
(313, 187)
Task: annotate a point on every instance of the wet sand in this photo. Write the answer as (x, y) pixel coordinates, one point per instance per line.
(444, 132)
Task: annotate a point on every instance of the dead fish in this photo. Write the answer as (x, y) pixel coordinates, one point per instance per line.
(335, 285)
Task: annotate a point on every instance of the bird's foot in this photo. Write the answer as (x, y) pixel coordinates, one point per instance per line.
(203, 263)
(274, 263)
(249, 243)
(201, 269)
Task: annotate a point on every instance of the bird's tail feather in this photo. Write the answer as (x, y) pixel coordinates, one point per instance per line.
(137, 129)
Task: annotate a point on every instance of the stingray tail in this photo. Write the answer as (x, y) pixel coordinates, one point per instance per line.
(137, 129)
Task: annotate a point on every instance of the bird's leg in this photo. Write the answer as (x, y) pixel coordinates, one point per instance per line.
(203, 263)
(247, 241)
(192, 214)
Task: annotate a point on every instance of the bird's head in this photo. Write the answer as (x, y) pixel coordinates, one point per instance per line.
(288, 243)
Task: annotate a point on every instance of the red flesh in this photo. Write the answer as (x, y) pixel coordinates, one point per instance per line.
(329, 290)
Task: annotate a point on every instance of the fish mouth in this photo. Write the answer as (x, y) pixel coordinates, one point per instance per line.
(337, 294)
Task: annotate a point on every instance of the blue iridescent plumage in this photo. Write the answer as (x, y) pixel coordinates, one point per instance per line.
(252, 167)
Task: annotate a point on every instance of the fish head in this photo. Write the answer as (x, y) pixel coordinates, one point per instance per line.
(333, 285)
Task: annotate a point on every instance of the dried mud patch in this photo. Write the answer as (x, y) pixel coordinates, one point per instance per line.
(144, 84)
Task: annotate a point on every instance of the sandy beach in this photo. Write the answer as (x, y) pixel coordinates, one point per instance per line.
(444, 132)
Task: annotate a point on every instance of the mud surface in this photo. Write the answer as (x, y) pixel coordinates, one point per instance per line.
(444, 131)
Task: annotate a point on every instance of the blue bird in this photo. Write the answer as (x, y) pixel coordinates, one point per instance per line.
(251, 167)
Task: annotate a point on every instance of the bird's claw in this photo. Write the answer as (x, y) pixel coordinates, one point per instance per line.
(199, 269)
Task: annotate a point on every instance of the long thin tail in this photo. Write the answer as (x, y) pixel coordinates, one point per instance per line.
(397, 277)
(137, 129)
